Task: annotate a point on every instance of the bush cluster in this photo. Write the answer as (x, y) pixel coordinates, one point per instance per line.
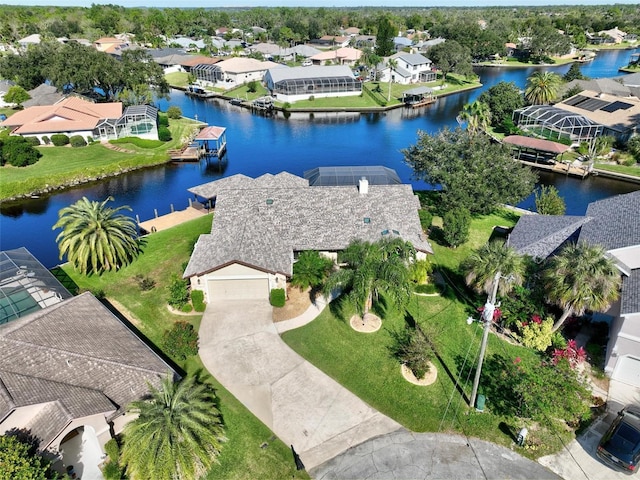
(178, 292)
(163, 120)
(77, 141)
(180, 341)
(455, 226)
(18, 151)
(164, 134)
(174, 113)
(277, 297)
(415, 351)
(145, 283)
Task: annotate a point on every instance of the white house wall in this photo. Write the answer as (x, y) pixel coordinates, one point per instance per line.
(236, 271)
(294, 98)
(630, 256)
(624, 340)
(21, 416)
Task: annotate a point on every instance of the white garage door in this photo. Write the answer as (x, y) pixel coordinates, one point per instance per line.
(240, 289)
(628, 370)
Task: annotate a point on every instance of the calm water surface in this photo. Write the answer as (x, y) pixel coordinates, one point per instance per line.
(258, 145)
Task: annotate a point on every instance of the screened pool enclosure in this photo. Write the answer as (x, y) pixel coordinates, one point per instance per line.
(553, 123)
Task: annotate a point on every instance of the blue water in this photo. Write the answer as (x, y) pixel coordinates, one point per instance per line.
(258, 145)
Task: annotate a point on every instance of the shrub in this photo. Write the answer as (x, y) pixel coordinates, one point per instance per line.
(633, 145)
(425, 218)
(112, 471)
(33, 141)
(178, 292)
(277, 297)
(163, 120)
(77, 141)
(415, 351)
(311, 98)
(186, 308)
(419, 271)
(197, 299)
(164, 134)
(18, 152)
(180, 341)
(90, 140)
(252, 86)
(426, 288)
(573, 354)
(629, 162)
(59, 139)
(286, 105)
(537, 333)
(46, 140)
(520, 306)
(112, 449)
(174, 112)
(455, 226)
(310, 270)
(145, 283)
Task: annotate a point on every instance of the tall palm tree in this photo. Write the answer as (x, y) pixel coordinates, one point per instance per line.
(477, 115)
(96, 237)
(393, 64)
(542, 87)
(372, 269)
(483, 264)
(581, 277)
(178, 432)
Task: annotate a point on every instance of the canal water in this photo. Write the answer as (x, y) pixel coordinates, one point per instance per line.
(258, 145)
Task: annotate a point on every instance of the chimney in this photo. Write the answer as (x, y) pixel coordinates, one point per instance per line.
(363, 186)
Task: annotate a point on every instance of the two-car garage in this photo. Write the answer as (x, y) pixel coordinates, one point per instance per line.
(237, 282)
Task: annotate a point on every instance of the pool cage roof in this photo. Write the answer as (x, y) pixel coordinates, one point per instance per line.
(138, 111)
(573, 124)
(341, 176)
(319, 84)
(26, 285)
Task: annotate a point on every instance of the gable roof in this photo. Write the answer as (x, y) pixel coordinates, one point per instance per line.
(75, 353)
(412, 58)
(616, 222)
(242, 65)
(261, 223)
(541, 235)
(314, 71)
(630, 296)
(43, 94)
(68, 115)
(343, 53)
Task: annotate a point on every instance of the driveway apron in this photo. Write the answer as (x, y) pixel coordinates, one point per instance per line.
(240, 346)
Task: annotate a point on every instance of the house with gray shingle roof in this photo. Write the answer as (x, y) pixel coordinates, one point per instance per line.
(412, 68)
(70, 369)
(614, 224)
(260, 226)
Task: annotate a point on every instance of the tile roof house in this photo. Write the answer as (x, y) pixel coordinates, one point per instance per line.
(71, 368)
(614, 224)
(261, 224)
(340, 56)
(75, 116)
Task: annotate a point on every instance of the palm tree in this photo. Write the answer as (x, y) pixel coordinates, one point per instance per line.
(542, 88)
(477, 115)
(178, 432)
(483, 264)
(96, 237)
(393, 64)
(372, 269)
(581, 277)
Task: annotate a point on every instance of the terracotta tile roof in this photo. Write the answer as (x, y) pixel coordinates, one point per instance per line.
(68, 115)
(210, 133)
(344, 53)
(242, 65)
(536, 144)
(192, 61)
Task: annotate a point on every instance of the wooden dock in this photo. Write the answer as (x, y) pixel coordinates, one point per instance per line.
(190, 153)
(563, 168)
(163, 222)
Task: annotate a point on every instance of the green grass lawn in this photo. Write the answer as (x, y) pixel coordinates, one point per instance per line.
(243, 92)
(633, 170)
(165, 252)
(62, 165)
(364, 363)
(177, 79)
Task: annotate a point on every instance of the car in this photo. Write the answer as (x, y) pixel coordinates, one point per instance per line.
(620, 446)
(307, 63)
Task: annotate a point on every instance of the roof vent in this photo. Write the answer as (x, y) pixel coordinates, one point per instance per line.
(269, 201)
(363, 186)
(367, 220)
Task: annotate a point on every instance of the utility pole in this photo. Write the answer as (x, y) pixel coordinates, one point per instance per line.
(487, 316)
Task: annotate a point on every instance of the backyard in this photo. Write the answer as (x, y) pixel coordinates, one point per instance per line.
(65, 165)
(252, 450)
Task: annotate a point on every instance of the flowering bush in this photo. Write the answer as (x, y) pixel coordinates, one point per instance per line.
(572, 353)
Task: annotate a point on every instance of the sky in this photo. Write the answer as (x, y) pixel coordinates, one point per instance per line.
(314, 3)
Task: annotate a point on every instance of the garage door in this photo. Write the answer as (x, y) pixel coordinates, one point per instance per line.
(240, 289)
(628, 370)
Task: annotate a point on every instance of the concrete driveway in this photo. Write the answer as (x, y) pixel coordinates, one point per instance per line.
(240, 346)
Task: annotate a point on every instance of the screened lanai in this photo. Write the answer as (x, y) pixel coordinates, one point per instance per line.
(554, 123)
(291, 84)
(207, 72)
(138, 121)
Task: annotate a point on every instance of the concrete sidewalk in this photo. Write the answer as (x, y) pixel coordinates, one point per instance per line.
(240, 346)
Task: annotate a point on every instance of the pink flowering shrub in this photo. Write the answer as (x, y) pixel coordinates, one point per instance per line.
(573, 354)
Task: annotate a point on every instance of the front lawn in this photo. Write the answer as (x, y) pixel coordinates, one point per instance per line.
(633, 170)
(243, 92)
(365, 365)
(63, 165)
(252, 450)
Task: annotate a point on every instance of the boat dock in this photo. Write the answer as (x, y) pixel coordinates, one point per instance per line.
(163, 222)
(560, 167)
(209, 142)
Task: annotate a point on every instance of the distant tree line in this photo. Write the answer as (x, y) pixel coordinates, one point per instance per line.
(483, 31)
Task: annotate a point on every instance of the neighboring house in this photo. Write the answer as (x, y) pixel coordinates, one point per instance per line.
(510, 49)
(186, 43)
(300, 83)
(402, 43)
(425, 45)
(614, 224)
(110, 45)
(74, 116)
(364, 41)
(238, 70)
(69, 367)
(412, 68)
(332, 41)
(350, 31)
(341, 56)
(262, 224)
(613, 35)
(33, 39)
(631, 80)
(43, 94)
